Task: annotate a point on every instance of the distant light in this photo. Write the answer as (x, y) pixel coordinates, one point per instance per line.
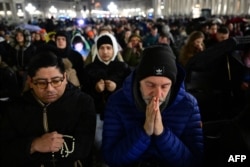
(30, 8)
(112, 7)
(9, 12)
(52, 9)
(19, 13)
(80, 22)
(78, 47)
(151, 10)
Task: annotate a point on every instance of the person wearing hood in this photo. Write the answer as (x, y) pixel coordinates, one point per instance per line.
(132, 53)
(19, 51)
(105, 75)
(50, 38)
(152, 121)
(93, 50)
(65, 50)
(79, 44)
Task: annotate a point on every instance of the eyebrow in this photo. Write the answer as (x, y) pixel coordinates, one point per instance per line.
(48, 78)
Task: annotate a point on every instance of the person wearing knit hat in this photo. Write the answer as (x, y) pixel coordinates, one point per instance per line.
(132, 52)
(106, 48)
(104, 76)
(135, 36)
(105, 39)
(152, 117)
(157, 61)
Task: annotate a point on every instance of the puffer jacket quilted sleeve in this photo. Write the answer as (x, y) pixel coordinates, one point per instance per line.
(125, 142)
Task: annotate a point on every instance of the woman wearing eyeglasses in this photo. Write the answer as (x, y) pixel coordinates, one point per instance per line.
(52, 124)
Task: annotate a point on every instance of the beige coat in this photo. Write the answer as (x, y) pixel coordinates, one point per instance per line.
(71, 73)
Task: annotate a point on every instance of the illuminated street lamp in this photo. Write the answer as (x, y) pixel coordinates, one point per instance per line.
(53, 10)
(112, 7)
(30, 9)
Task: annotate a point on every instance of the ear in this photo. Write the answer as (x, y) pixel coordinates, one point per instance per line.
(29, 82)
(66, 77)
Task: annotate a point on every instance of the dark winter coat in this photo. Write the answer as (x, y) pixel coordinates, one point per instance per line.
(132, 57)
(214, 78)
(8, 81)
(73, 114)
(19, 56)
(115, 71)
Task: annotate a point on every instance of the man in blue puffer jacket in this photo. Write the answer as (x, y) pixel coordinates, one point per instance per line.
(152, 121)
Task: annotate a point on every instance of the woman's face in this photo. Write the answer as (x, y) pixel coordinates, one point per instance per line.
(198, 43)
(135, 41)
(37, 37)
(19, 37)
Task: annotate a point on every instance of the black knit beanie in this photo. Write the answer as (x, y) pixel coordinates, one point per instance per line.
(157, 60)
(104, 40)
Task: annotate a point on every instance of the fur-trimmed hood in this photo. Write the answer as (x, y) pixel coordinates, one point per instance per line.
(27, 38)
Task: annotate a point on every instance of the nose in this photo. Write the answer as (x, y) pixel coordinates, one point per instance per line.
(49, 86)
(157, 92)
(104, 50)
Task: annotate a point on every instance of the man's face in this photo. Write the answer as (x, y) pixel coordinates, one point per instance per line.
(221, 37)
(106, 52)
(154, 31)
(213, 29)
(49, 93)
(155, 86)
(61, 42)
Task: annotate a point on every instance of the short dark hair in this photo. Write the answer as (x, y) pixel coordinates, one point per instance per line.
(223, 30)
(45, 59)
(77, 39)
(154, 27)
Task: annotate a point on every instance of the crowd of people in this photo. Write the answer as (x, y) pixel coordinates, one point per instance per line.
(124, 92)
